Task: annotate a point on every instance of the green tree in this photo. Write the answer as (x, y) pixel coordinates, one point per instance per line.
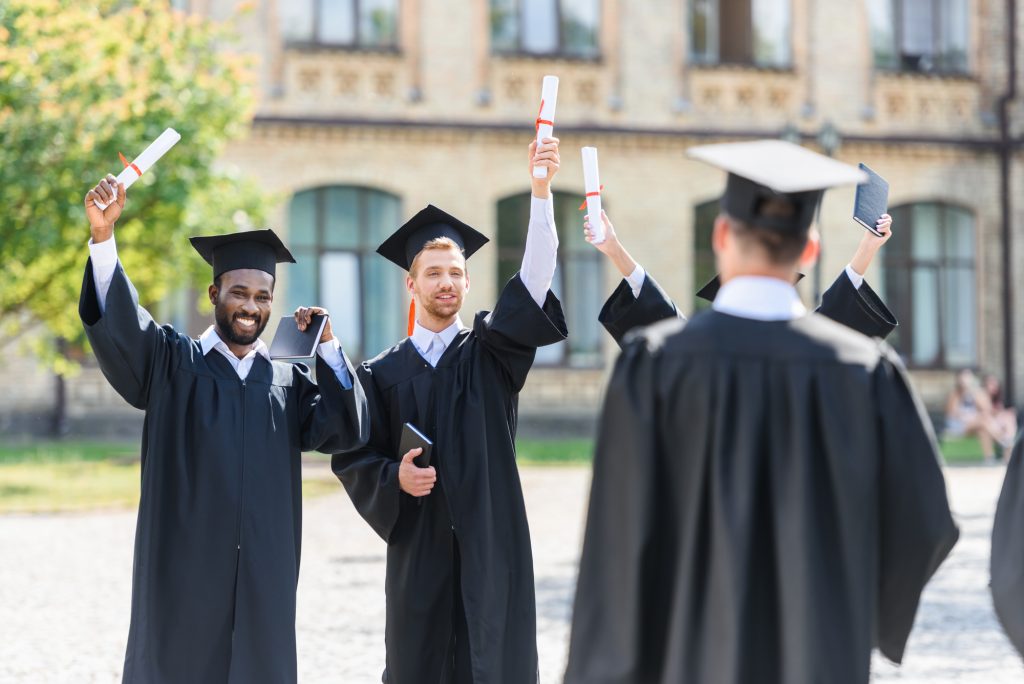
(80, 82)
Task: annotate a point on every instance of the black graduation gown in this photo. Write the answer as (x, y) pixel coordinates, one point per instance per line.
(767, 505)
(857, 308)
(220, 512)
(467, 405)
(1007, 563)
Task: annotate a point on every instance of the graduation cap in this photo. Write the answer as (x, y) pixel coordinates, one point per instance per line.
(711, 288)
(428, 224)
(259, 249)
(766, 176)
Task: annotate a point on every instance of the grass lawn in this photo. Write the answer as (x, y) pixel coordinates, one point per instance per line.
(74, 476)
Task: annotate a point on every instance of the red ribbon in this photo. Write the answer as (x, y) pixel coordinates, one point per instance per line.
(540, 120)
(128, 163)
(412, 316)
(591, 194)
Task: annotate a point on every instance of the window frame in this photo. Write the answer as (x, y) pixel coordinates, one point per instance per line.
(896, 15)
(315, 43)
(696, 60)
(559, 53)
(939, 266)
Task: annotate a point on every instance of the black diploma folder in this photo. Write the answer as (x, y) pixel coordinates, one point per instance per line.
(291, 343)
(412, 438)
(871, 200)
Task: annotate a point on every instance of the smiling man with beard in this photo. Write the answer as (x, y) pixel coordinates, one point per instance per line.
(459, 585)
(220, 511)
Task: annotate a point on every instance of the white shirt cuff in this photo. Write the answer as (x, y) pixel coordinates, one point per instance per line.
(541, 253)
(330, 352)
(856, 278)
(636, 280)
(104, 262)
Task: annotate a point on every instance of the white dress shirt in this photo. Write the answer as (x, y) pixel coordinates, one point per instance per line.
(104, 263)
(537, 271)
(760, 298)
(637, 277)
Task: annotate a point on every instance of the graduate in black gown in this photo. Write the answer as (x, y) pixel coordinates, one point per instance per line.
(767, 501)
(220, 512)
(459, 586)
(640, 301)
(1007, 562)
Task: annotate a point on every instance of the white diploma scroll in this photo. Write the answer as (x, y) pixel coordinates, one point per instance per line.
(546, 117)
(592, 183)
(144, 161)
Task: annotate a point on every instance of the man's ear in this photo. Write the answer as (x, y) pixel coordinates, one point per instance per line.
(213, 294)
(811, 250)
(409, 284)
(720, 234)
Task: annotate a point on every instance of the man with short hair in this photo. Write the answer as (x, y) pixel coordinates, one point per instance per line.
(767, 500)
(459, 586)
(220, 512)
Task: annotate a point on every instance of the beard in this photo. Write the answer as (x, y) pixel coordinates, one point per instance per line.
(226, 327)
(443, 310)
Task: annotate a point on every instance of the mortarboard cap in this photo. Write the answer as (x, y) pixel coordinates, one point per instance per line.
(765, 170)
(259, 249)
(430, 223)
(711, 288)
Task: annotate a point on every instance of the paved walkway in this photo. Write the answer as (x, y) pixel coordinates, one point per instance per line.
(65, 591)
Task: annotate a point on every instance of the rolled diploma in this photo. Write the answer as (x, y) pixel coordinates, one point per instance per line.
(548, 98)
(144, 161)
(592, 183)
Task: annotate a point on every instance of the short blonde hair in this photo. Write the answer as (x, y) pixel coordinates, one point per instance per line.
(435, 243)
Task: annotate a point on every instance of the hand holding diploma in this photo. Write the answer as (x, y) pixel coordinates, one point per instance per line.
(610, 246)
(134, 170)
(412, 479)
(304, 316)
(592, 184)
(103, 205)
(544, 155)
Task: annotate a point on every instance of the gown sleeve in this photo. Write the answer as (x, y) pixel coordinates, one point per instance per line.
(370, 472)
(132, 350)
(609, 623)
(1007, 565)
(916, 528)
(858, 308)
(516, 327)
(623, 312)
(333, 418)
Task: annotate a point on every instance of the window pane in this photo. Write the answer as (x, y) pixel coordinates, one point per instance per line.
(580, 20)
(385, 306)
(704, 30)
(703, 256)
(953, 35)
(302, 220)
(917, 42)
(735, 32)
(382, 218)
(341, 217)
(959, 316)
(504, 26)
(927, 240)
(771, 32)
(341, 296)
(337, 25)
(378, 26)
(301, 281)
(925, 316)
(540, 26)
(583, 273)
(296, 20)
(880, 15)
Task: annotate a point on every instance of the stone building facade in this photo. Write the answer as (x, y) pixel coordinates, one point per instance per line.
(370, 109)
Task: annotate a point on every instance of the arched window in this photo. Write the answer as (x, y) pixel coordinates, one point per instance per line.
(930, 284)
(704, 215)
(333, 233)
(578, 279)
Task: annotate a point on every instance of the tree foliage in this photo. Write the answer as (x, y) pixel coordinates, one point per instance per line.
(80, 82)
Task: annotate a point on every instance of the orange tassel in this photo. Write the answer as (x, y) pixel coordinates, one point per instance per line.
(412, 316)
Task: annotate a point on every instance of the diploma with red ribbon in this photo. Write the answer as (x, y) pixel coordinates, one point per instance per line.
(592, 183)
(546, 117)
(133, 170)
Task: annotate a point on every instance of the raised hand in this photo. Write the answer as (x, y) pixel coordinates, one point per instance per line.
(544, 155)
(304, 316)
(101, 221)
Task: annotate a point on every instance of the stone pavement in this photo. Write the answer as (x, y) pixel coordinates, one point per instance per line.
(65, 590)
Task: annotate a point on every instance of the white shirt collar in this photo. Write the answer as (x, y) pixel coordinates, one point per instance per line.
(760, 298)
(210, 340)
(422, 337)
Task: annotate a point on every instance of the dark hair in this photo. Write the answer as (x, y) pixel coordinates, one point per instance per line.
(782, 248)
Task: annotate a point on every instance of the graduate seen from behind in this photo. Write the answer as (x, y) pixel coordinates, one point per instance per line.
(459, 585)
(220, 512)
(767, 501)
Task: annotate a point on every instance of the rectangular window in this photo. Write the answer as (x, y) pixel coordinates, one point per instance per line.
(928, 36)
(747, 32)
(369, 24)
(557, 28)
